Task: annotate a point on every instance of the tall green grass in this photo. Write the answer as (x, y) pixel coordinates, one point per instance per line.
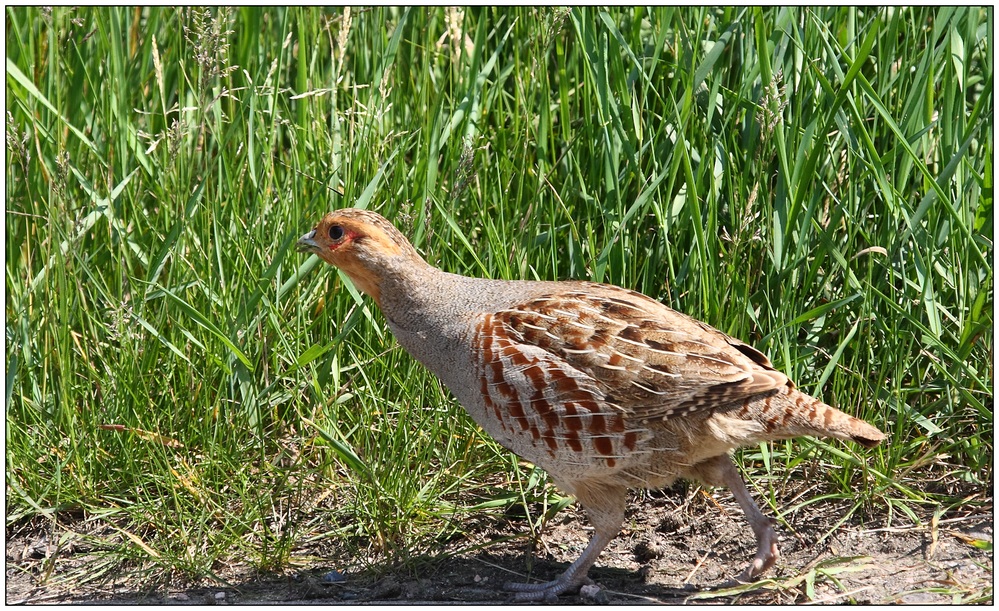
(816, 181)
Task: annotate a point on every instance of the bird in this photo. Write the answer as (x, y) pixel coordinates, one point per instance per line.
(604, 388)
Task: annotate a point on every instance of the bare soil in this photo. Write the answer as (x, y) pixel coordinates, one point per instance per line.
(673, 549)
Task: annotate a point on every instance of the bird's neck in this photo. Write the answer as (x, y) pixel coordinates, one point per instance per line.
(404, 285)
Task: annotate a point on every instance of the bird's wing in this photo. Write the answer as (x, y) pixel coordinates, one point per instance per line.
(651, 361)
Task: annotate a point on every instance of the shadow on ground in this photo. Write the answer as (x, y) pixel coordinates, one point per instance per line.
(666, 554)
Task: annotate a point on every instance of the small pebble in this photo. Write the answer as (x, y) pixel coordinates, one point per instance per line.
(334, 577)
(593, 593)
(182, 597)
(220, 596)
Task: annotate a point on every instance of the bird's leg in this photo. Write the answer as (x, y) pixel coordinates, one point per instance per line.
(605, 508)
(719, 471)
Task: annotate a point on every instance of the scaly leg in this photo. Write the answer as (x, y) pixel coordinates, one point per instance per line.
(604, 506)
(719, 471)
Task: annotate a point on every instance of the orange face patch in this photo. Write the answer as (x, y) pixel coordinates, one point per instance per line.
(355, 243)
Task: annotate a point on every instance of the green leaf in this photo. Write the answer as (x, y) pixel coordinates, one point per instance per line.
(205, 322)
(25, 82)
(342, 449)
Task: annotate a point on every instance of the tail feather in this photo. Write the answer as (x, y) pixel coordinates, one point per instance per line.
(807, 415)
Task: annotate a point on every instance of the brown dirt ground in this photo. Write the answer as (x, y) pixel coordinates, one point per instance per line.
(673, 549)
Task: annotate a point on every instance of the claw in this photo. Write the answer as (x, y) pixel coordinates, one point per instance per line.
(766, 556)
(545, 592)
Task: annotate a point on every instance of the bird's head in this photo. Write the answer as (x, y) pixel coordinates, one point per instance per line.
(363, 244)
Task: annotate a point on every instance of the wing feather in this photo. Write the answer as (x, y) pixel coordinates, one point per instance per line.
(651, 361)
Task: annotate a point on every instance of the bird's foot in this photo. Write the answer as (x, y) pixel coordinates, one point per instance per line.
(766, 556)
(545, 592)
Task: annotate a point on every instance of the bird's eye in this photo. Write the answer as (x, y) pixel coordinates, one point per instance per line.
(336, 232)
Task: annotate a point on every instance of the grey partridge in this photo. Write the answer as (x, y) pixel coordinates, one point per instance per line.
(602, 387)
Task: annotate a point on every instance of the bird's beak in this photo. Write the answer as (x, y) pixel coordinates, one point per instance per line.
(307, 243)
